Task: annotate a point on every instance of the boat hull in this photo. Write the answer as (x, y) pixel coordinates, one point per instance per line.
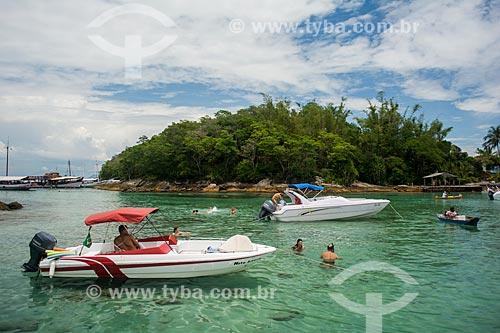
(496, 195)
(15, 187)
(460, 220)
(187, 264)
(350, 209)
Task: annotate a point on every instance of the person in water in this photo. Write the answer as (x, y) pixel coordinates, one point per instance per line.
(329, 256)
(299, 247)
(126, 241)
(177, 233)
(232, 211)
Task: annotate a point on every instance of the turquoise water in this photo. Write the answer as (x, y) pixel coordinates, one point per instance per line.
(457, 269)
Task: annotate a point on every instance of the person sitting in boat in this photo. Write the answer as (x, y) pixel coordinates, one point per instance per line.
(451, 213)
(299, 247)
(329, 256)
(126, 241)
(444, 195)
(180, 233)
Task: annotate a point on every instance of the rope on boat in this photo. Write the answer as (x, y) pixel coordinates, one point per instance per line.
(396, 212)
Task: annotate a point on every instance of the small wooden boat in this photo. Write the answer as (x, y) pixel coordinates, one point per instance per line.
(460, 219)
(449, 197)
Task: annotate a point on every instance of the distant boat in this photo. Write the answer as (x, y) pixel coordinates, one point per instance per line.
(65, 182)
(449, 197)
(16, 183)
(460, 220)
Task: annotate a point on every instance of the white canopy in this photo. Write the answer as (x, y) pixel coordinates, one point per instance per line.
(12, 178)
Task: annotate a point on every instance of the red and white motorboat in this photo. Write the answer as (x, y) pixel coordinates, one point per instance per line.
(159, 257)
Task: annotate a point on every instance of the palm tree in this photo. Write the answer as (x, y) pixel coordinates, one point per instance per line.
(492, 139)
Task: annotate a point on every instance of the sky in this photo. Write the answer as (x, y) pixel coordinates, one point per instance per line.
(81, 81)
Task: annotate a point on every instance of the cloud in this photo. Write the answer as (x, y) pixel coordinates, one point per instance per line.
(481, 104)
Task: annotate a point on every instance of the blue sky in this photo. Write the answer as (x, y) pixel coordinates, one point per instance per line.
(65, 96)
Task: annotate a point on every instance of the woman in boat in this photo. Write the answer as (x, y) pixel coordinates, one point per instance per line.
(451, 213)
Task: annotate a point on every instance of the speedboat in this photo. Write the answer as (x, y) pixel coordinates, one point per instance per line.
(319, 208)
(459, 219)
(160, 256)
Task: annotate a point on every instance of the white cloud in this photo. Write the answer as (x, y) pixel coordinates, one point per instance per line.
(481, 104)
(429, 90)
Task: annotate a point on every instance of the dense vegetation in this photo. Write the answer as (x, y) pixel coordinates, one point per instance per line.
(289, 142)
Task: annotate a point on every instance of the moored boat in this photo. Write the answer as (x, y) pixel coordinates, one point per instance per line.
(449, 197)
(319, 208)
(65, 182)
(159, 257)
(459, 219)
(15, 183)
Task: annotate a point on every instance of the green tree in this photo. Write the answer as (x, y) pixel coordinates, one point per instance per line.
(492, 139)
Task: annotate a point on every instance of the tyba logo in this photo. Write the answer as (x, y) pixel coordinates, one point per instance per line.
(132, 51)
(374, 309)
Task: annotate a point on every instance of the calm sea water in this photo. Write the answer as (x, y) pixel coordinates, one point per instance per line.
(456, 270)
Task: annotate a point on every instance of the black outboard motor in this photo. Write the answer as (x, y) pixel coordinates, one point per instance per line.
(266, 210)
(490, 193)
(41, 241)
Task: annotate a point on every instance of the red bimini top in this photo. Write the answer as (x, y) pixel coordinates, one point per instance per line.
(126, 215)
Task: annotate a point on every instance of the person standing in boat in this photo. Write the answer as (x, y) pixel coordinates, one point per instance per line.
(451, 213)
(126, 241)
(444, 195)
(277, 197)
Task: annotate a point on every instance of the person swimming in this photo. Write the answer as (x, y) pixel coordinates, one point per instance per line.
(329, 256)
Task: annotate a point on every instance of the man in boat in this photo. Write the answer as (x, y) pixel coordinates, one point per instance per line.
(444, 195)
(275, 198)
(126, 241)
(451, 213)
(329, 256)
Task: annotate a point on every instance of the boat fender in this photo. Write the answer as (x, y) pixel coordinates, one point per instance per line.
(52, 268)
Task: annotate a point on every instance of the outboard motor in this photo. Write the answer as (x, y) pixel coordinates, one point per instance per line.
(266, 210)
(490, 194)
(41, 241)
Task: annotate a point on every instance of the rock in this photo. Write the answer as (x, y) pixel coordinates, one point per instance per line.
(211, 188)
(10, 206)
(15, 205)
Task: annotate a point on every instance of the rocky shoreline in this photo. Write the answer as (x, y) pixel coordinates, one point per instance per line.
(264, 186)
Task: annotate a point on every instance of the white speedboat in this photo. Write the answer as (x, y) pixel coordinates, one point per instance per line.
(319, 208)
(158, 257)
(496, 195)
